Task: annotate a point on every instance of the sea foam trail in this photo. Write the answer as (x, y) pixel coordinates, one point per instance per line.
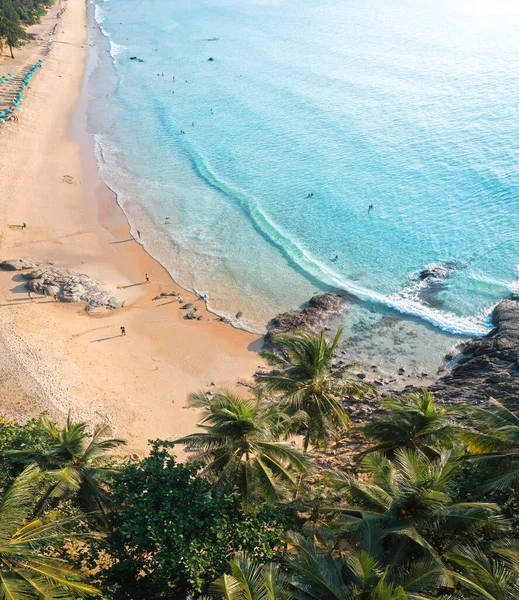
(402, 302)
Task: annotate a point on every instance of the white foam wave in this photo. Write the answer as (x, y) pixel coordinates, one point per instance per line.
(514, 286)
(405, 302)
(116, 49)
(99, 15)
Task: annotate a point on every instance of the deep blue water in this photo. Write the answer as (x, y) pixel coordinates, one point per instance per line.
(407, 105)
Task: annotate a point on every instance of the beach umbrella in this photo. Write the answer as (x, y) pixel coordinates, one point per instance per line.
(2, 121)
(10, 74)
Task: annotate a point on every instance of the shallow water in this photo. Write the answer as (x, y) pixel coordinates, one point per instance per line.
(408, 106)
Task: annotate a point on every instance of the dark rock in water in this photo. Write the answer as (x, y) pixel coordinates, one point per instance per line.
(438, 271)
(311, 316)
(17, 265)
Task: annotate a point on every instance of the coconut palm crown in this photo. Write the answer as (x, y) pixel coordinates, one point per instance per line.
(414, 421)
(240, 448)
(308, 383)
(78, 462)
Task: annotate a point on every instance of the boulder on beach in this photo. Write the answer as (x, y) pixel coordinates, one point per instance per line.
(70, 286)
(18, 264)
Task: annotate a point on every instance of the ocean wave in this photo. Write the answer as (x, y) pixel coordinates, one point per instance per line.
(98, 14)
(404, 302)
(116, 49)
(514, 285)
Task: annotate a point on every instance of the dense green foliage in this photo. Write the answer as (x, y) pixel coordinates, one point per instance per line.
(20, 436)
(427, 510)
(170, 535)
(14, 15)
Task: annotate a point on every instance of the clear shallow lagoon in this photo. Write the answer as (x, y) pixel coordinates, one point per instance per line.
(410, 106)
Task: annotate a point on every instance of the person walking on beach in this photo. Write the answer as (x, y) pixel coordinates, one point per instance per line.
(147, 278)
(123, 331)
(24, 225)
(30, 296)
(138, 234)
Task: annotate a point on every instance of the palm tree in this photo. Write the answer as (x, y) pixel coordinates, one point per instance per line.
(250, 580)
(413, 421)
(79, 463)
(492, 576)
(406, 505)
(310, 385)
(240, 447)
(494, 440)
(27, 568)
(319, 575)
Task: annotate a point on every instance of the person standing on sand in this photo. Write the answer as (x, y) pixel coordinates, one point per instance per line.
(24, 225)
(30, 296)
(123, 331)
(147, 278)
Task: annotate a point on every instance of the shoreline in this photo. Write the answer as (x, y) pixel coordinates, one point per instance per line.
(74, 221)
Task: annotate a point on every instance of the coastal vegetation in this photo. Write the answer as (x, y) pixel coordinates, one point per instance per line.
(14, 16)
(425, 509)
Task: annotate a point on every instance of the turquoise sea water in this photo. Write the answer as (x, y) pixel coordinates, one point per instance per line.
(408, 105)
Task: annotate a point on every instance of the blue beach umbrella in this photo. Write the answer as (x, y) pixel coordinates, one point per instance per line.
(2, 121)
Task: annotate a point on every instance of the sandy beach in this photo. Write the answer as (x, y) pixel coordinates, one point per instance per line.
(56, 357)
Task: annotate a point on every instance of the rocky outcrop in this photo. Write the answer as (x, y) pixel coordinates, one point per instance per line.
(488, 366)
(312, 316)
(69, 286)
(437, 270)
(20, 264)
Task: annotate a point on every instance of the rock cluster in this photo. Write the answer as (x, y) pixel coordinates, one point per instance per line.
(70, 286)
(312, 316)
(489, 366)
